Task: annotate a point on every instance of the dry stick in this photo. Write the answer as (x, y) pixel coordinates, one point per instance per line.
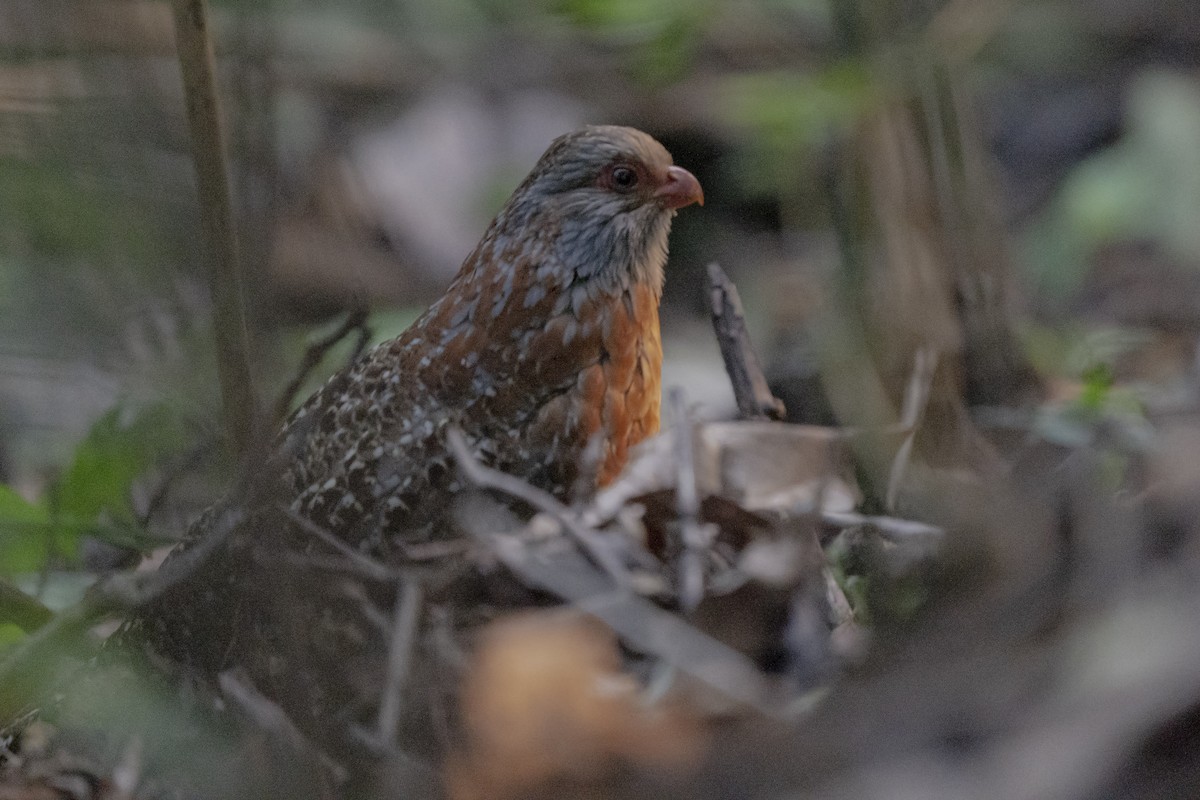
(196, 62)
(334, 564)
(181, 467)
(892, 528)
(754, 398)
(687, 504)
(487, 478)
(368, 565)
(127, 774)
(301, 753)
(409, 601)
(433, 551)
(916, 398)
(355, 321)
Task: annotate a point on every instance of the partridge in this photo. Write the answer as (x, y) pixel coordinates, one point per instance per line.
(547, 341)
(545, 346)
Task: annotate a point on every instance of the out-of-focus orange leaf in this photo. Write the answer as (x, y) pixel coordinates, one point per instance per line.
(547, 705)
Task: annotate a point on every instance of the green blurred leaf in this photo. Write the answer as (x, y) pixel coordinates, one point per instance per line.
(792, 115)
(1101, 405)
(10, 634)
(18, 608)
(622, 15)
(93, 495)
(663, 36)
(59, 213)
(24, 533)
(672, 50)
(1145, 187)
(800, 109)
(1097, 386)
(1165, 111)
(1072, 350)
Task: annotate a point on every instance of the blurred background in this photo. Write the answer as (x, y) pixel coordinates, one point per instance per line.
(995, 204)
(1013, 184)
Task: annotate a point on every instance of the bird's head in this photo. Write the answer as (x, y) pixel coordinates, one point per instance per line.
(605, 196)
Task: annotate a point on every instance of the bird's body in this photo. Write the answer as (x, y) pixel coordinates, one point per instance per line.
(546, 340)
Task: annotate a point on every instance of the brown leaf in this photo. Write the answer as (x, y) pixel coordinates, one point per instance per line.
(547, 705)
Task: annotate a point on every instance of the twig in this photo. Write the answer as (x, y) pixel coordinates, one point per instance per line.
(750, 389)
(570, 575)
(840, 609)
(356, 320)
(300, 760)
(266, 714)
(127, 773)
(196, 61)
(381, 622)
(130, 591)
(916, 398)
(487, 478)
(696, 538)
(920, 384)
(893, 528)
(434, 550)
(181, 467)
(409, 601)
(369, 565)
(269, 557)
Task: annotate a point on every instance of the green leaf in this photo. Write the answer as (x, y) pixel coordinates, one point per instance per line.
(60, 214)
(660, 37)
(18, 608)
(621, 15)
(1097, 386)
(93, 495)
(807, 107)
(10, 634)
(1145, 187)
(24, 533)
(792, 115)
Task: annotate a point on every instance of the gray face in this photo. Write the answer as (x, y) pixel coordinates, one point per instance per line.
(595, 189)
(613, 242)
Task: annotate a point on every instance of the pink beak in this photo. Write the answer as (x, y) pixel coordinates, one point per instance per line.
(680, 189)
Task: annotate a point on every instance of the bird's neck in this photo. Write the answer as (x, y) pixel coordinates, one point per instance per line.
(615, 254)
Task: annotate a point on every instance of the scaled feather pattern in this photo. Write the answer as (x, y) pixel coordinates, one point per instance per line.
(546, 340)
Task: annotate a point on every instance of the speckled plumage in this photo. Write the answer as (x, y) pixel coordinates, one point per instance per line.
(547, 337)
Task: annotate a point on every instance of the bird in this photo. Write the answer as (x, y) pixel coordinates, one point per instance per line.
(544, 353)
(546, 343)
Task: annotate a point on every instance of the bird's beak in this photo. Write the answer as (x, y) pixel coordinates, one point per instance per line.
(680, 189)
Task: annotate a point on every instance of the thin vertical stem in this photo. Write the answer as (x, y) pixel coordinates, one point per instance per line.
(196, 62)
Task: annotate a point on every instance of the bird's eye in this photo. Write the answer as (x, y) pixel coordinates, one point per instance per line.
(624, 178)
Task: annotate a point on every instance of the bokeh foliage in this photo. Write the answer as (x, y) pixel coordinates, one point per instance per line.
(101, 282)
